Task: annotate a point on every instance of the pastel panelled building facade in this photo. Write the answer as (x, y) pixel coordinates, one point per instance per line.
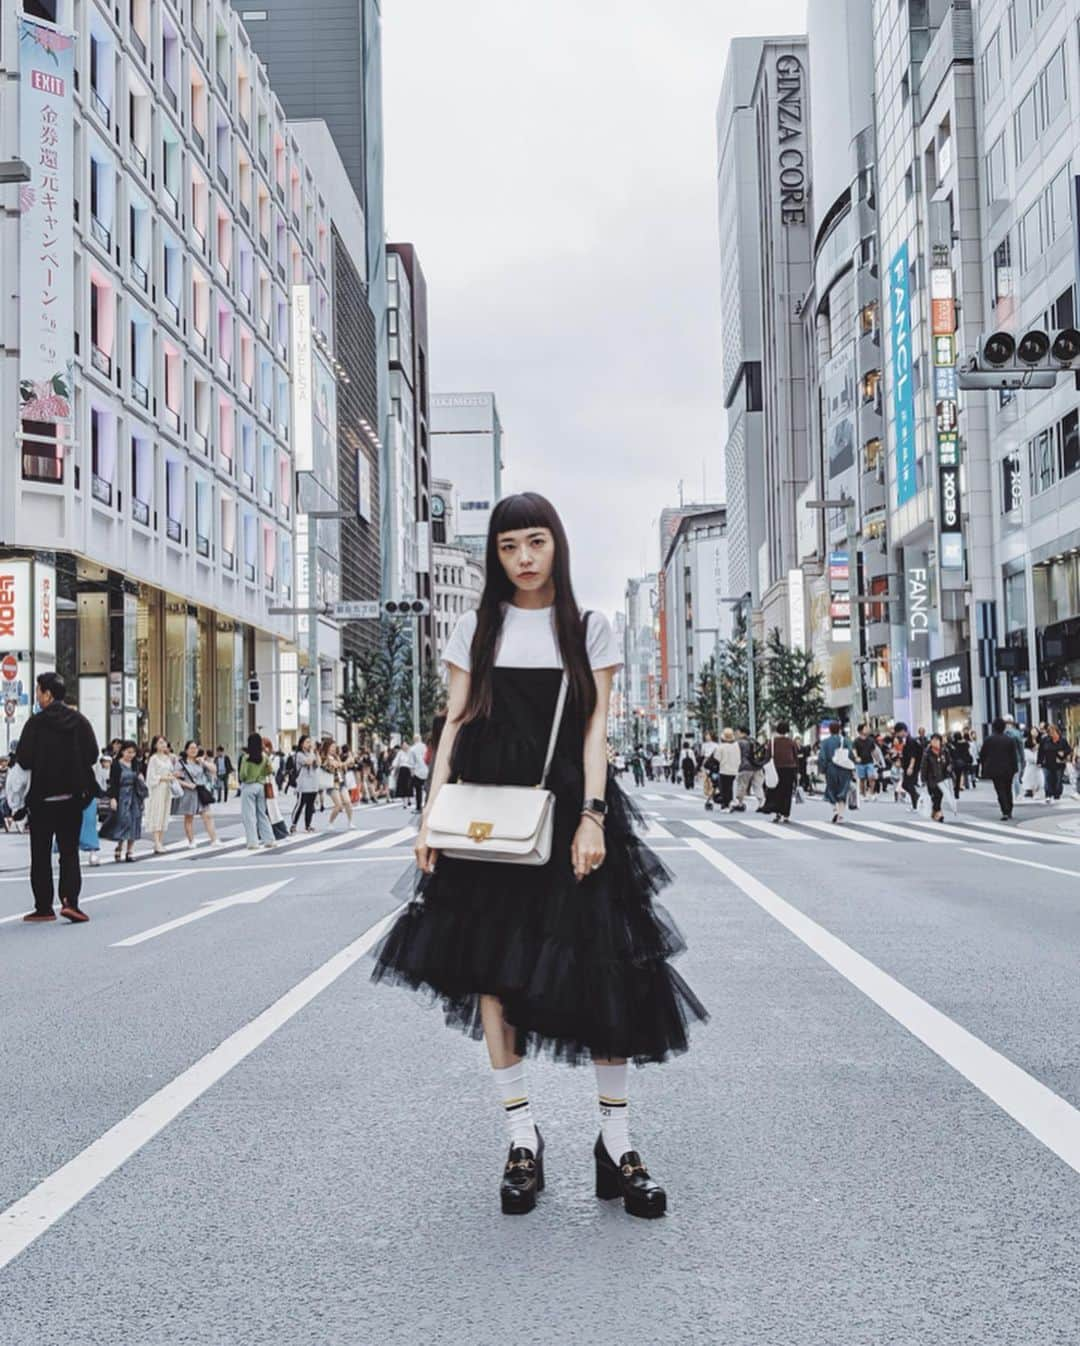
(168, 507)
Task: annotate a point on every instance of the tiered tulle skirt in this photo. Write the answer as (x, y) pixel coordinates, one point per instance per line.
(581, 968)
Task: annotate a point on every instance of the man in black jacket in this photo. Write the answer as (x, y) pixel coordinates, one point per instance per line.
(58, 748)
(997, 762)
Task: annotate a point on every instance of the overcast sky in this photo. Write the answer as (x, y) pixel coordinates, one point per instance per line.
(555, 165)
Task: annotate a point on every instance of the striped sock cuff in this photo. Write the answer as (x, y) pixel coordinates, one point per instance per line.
(606, 1102)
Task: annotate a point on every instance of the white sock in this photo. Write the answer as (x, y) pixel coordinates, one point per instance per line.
(514, 1095)
(611, 1084)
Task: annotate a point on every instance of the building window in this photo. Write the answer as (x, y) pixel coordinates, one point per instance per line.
(1031, 236)
(1058, 207)
(1062, 311)
(997, 168)
(1069, 431)
(1026, 124)
(1042, 461)
(1020, 21)
(1055, 86)
(991, 64)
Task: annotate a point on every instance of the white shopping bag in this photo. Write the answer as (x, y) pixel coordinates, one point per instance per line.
(952, 802)
(925, 807)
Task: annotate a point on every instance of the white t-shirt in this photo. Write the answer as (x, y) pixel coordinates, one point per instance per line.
(528, 640)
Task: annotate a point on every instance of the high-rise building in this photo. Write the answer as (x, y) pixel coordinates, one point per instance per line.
(843, 336)
(410, 449)
(466, 448)
(764, 176)
(325, 60)
(458, 577)
(172, 267)
(641, 662)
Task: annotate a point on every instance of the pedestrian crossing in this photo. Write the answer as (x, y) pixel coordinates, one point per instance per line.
(855, 830)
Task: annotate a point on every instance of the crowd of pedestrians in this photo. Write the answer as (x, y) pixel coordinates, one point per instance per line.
(72, 798)
(928, 772)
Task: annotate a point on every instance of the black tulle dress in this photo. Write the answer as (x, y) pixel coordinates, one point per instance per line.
(582, 967)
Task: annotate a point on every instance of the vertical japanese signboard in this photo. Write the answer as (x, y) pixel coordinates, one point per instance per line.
(942, 330)
(46, 224)
(903, 385)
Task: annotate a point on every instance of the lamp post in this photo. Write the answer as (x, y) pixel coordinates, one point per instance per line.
(744, 601)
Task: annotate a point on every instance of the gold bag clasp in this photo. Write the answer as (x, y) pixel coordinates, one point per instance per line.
(480, 831)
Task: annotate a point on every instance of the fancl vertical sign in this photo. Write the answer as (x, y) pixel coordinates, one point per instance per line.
(903, 386)
(46, 222)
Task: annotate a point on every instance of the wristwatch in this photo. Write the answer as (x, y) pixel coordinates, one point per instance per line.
(595, 806)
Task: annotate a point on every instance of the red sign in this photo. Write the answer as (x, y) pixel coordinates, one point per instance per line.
(9, 667)
(942, 316)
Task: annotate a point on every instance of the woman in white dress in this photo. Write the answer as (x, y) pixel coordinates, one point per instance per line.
(160, 774)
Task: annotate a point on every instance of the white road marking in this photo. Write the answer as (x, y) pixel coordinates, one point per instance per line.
(711, 829)
(250, 896)
(338, 839)
(1041, 1112)
(655, 797)
(839, 831)
(96, 897)
(50, 1200)
(1012, 831)
(958, 831)
(1031, 864)
(654, 830)
(905, 833)
(777, 830)
(392, 839)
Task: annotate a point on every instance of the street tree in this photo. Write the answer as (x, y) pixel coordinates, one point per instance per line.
(794, 688)
(703, 708)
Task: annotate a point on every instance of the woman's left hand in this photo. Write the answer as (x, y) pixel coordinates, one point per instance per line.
(588, 850)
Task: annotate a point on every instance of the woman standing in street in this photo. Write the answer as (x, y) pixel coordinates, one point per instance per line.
(568, 958)
(838, 767)
(253, 770)
(784, 752)
(160, 778)
(307, 783)
(959, 751)
(339, 795)
(198, 797)
(934, 771)
(127, 793)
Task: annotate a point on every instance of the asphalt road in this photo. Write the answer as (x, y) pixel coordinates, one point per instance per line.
(217, 1131)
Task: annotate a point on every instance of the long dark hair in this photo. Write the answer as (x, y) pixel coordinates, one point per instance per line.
(255, 748)
(527, 510)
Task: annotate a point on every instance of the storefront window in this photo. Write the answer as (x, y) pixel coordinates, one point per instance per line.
(149, 625)
(180, 641)
(1015, 603)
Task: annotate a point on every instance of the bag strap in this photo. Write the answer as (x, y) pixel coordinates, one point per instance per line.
(559, 704)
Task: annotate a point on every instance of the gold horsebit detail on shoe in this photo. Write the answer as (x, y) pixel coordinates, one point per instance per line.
(520, 1163)
(631, 1168)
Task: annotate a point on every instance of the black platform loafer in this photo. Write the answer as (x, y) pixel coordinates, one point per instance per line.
(629, 1178)
(522, 1178)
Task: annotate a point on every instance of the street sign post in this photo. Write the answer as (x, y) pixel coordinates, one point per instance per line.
(356, 611)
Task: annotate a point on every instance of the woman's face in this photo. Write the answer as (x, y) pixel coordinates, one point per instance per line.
(305, 745)
(127, 756)
(192, 751)
(527, 556)
(161, 745)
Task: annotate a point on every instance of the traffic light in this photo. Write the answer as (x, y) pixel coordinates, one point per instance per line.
(253, 691)
(406, 607)
(1034, 359)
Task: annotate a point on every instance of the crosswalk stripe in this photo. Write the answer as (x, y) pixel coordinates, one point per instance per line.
(959, 831)
(895, 830)
(711, 829)
(772, 829)
(337, 839)
(392, 839)
(654, 831)
(1011, 831)
(838, 831)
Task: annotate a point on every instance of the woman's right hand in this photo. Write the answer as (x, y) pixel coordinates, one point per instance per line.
(425, 855)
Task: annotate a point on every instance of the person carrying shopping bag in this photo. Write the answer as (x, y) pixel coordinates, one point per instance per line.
(934, 771)
(784, 759)
(836, 762)
(253, 770)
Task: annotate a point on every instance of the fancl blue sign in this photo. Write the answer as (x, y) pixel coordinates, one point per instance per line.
(903, 387)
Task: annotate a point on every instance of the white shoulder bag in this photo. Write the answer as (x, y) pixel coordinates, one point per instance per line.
(508, 823)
